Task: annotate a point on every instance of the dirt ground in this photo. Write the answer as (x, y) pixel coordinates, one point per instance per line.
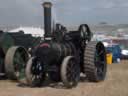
(116, 84)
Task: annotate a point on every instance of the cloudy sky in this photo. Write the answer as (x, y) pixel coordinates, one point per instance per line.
(70, 12)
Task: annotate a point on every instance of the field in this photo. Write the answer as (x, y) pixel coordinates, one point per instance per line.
(116, 84)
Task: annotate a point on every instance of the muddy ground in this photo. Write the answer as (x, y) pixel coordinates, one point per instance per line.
(116, 84)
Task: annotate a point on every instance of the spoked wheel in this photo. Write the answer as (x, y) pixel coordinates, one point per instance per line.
(95, 65)
(70, 72)
(34, 72)
(85, 33)
(15, 63)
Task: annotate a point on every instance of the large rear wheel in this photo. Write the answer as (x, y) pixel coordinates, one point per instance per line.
(95, 65)
(70, 72)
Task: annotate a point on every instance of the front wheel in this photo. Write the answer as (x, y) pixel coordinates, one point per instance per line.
(34, 72)
(70, 72)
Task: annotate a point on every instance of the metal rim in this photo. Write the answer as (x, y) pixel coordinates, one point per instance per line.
(15, 62)
(70, 72)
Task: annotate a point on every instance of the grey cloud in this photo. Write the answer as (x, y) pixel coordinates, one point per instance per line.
(20, 12)
(29, 12)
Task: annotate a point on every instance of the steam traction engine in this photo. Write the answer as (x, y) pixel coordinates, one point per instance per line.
(63, 55)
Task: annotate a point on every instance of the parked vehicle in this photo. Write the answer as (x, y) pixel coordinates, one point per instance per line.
(14, 53)
(116, 52)
(63, 55)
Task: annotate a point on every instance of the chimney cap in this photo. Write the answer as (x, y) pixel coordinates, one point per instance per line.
(47, 4)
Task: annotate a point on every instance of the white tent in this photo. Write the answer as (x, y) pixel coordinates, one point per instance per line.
(30, 30)
(125, 52)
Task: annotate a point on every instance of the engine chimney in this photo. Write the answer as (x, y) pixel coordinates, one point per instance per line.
(47, 19)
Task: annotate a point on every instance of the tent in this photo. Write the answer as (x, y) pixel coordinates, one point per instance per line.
(30, 30)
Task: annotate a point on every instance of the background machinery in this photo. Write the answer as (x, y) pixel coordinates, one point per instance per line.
(14, 54)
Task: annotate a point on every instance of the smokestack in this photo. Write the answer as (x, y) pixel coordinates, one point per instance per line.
(47, 19)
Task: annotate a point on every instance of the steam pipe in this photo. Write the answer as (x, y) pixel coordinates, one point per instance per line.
(47, 19)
